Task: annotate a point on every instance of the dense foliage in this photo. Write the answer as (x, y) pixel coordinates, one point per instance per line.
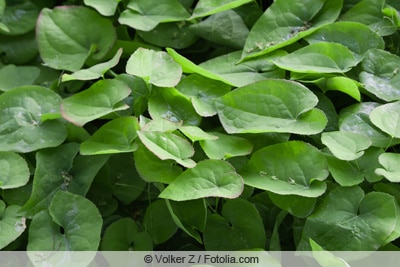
(199, 125)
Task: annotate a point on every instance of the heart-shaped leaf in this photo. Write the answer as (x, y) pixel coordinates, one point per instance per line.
(155, 67)
(226, 146)
(291, 168)
(271, 106)
(116, 136)
(387, 118)
(14, 171)
(345, 145)
(22, 127)
(209, 178)
(102, 98)
(59, 45)
(391, 166)
(347, 219)
(234, 231)
(12, 225)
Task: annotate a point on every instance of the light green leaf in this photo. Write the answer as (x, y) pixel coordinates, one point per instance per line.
(319, 57)
(124, 235)
(12, 76)
(167, 145)
(158, 222)
(145, 15)
(343, 84)
(387, 118)
(22, 127)
(381, 74)
(326, 258)
(196, 134)
(391, 167)
(271, 106)
(347, 219)
(226, 146)
(153, 169)
(209, 178)
(202, 92)
(19, 17)
(356, 119)
(171, 105)
(291, 168)
(235, 231)
(346, 145)
(100, 99)
(209, 7)
(155, 67)
(95, 71)
(116, 136)
(104, 7)
(286, 22)
(14, 171)
(59, 45)
(12, 225)
(72, 223)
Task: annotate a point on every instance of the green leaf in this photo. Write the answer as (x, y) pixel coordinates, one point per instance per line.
(145, 15)
(18, 49)
(226, 146)
(100, 99)
(287, 22)
(291, 168)
(72, 223)
(345, 145)
(225, 28)
(209, 178)
(296, 205)
(13, 76)
(124, 235)
(93, 72)
(387, 118)
(235, 231)
(171, 105)
(19, 17)
(153, 169)
(22, 128)
(209, 7)
(104, 7)
(155, 67)
(202, 92)
(167, 145)
(380, 75)
(271, 106)
(319, 57)
(325, 258)
(59, 45)
(158, 222)
(356, 119)
(61, 169)
(190, 216)
(347, 219)
(14, 171)
(116, 136)
(345, 85)
(391, 167)
(350, 34)
(12, 225)
(195, 133)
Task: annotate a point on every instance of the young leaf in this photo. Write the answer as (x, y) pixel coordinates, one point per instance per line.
(59, 45)
(235, 231)
(326, 258)
(167, 145)
(209, 7)
(226, 146)
(345, 85)
(12, 225)
(319, 58)
(116, 136)
(22, 128)
(196, 134)
(145, 15)
(209, 178)
(346, 145)
(102, 98)
(351, 220)
(387, 118)
(155, 67)
(14, 171)
(271, 106)
(391, 167)
(93, 72)
(291, 168)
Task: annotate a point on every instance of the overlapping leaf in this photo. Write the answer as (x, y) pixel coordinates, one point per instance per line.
(391, 166)
(14, 171)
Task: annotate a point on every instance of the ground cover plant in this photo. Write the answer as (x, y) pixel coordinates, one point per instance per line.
(199, 125)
